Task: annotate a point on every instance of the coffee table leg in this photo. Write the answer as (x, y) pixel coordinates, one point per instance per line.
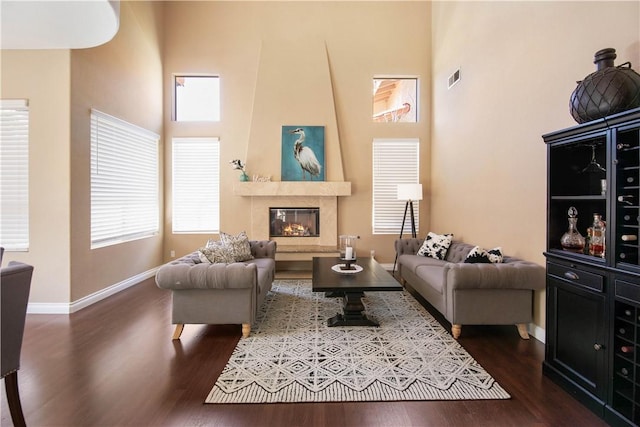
(353, 312)
(334, 294)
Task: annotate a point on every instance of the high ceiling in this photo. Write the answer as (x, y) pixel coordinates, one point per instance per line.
(57, 24)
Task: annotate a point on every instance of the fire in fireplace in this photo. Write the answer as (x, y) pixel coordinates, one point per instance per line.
(294, 222)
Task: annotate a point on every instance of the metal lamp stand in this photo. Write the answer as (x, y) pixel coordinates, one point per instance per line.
(407, 206)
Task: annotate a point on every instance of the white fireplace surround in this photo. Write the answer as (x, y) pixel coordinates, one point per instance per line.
(294, 194)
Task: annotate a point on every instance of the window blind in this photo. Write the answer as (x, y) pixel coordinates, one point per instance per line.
(124, 181)
(14, 174)
(395, 161)
(196, 185)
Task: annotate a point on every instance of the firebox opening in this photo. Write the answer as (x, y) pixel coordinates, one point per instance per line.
(294, 222)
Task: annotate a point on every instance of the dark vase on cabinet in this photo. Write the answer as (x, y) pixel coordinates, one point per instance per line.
(593, 296)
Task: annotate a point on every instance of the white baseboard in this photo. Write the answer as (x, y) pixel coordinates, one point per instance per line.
(537, 332)
(68, 308)
(387, 267)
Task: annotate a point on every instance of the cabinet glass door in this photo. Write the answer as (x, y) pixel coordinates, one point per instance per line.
(577, 178)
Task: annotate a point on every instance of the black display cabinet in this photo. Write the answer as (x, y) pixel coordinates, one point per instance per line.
(592, 300)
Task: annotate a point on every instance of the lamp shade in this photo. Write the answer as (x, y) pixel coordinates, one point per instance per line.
(409, 191)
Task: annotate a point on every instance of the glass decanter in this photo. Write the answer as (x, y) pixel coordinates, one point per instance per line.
(572, 240)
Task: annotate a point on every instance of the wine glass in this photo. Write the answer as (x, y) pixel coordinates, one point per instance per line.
(593, 166)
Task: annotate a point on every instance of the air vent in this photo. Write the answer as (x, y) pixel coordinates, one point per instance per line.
(454, 78)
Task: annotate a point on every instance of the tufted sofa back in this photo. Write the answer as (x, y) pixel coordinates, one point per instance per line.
(458, 251)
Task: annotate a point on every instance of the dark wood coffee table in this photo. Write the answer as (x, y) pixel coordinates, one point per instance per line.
(351, 287)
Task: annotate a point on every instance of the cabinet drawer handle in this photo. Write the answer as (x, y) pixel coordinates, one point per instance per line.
(597, 347)
(571, 275)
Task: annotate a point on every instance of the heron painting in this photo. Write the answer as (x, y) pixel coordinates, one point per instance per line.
(302, 153)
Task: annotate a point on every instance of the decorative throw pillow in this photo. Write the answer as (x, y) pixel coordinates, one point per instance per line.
(202, 257)
(479, 255)
(216, 253)
(238, 246)
(436, 245)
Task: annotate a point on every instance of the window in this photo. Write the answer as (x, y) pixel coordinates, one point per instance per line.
(395, 161)
(395, 99)
(14, 174)
(197, 98)
(196, 185)
(124, 181)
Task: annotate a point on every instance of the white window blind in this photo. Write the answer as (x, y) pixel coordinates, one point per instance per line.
(196, 185)
(124, 181)
(395, 161)
(14, 174)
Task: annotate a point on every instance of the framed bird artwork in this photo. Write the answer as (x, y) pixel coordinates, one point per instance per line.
(302, 153)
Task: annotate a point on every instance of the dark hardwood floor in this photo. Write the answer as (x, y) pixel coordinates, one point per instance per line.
(114, 364)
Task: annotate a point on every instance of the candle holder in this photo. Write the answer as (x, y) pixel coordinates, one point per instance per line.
(348, 251)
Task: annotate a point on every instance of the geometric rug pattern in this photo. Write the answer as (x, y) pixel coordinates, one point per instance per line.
(293, 356)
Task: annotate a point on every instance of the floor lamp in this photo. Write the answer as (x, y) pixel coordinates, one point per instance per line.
(408, 192)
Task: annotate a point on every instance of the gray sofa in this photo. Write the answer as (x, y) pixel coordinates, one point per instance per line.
(219, 293)
(473, 294)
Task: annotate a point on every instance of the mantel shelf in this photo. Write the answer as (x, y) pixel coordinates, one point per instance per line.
(292, 188)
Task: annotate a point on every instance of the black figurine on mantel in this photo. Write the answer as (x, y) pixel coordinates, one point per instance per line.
(609, 90)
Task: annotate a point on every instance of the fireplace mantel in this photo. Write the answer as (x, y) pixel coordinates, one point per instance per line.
(323, 195)
(292, 188)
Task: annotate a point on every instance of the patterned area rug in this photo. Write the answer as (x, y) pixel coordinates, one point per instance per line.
(292, 356)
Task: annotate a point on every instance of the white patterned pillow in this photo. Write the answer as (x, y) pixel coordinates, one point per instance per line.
(203, 258)
(436, 245)
(238, 246)
(480, 255)
(216, 253)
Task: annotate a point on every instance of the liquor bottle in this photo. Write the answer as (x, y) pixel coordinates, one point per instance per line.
(623, 146)
(629, 237)
(572, 240)
(596, 243)
(626, 199)
(630, 179)
(627, 349)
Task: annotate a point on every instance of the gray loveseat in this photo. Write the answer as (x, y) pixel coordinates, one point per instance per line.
(219, 293)
(472, 294)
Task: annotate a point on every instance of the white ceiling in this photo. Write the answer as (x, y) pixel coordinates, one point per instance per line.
(47, 24)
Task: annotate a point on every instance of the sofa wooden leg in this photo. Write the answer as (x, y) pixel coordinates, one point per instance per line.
(178, 331)
(246, 330)
(522, 330)
(456, 330)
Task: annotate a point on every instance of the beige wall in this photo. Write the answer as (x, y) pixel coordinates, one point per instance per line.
(362, 39)
(122, 78)
(42, 77)
(519, 63)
